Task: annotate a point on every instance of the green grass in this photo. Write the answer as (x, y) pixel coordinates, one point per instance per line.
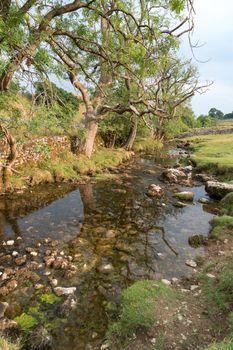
(50, 298)
(6, 344)
(227, 204)
(221, 225)
(138, 307)
(26, 322)
(219, 291)
(226, 344)
(147, 145)
(213, 153)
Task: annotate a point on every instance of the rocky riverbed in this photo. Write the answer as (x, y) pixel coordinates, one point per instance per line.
(66, 253)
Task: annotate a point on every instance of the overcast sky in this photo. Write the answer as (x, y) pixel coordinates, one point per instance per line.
(214, 29)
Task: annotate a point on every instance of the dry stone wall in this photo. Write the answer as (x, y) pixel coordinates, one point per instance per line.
(36, 149)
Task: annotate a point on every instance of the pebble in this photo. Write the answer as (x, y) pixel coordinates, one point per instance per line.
(59, 291)
(39, 286)
(11, 242)
(167, 282)
(194, 287)
(54, 282)
(14, 253)
(174, 280)
(180, 317)
(210, 275)
(191, 263)
(33, 253)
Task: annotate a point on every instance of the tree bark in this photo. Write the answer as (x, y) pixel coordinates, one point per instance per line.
(6, 171)
(132, 136)
(87, 145)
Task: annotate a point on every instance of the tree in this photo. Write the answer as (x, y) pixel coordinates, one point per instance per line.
(112, 63)
(216, 113)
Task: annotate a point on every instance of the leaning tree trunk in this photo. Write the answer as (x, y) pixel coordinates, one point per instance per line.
(6, 170)
(132, 136)
(87, 145)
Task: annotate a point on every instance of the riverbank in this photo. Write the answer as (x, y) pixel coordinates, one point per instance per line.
(189, 313)
(213, 154)
(64, 166)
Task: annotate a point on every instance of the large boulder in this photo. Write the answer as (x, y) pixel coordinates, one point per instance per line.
(217, 189)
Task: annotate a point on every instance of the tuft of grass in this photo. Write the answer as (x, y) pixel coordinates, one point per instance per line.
(138, 307)
(221, 225)
(227, 204)
(148, 145)
(6, 344)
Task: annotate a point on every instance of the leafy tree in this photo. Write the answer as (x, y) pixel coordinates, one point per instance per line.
(206, 121)
(228, 116)
(216, 113)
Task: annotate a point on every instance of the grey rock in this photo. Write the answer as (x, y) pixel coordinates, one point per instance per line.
(217, 189)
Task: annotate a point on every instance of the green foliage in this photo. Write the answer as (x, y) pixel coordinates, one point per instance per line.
(147, 145)
(50, 298)
(138, 307)
(206, 121)
(26, 321)
(216, 113)
(227, 204)
(42, 149)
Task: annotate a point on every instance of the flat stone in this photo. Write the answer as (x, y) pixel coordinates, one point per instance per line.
(210, 275)
(59, 291)
(10, 242)
(191, 263)
(218, 189)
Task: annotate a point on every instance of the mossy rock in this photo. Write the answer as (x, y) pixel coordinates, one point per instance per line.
(220, 225)
(196, 241)
(185, 196)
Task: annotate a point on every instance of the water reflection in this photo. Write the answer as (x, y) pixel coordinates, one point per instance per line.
(108, 223)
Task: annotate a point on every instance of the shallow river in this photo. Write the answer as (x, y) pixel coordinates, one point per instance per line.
(109, 223)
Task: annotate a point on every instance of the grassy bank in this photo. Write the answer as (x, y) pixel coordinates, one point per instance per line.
(213, 153)
(67, 166)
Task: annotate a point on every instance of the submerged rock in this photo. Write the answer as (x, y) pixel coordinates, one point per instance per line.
(196, 240)
(218, 189)
(155, 191)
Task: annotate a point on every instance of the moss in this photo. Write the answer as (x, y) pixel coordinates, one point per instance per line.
(6, 344)
(227, 204)
(138, 307)
(185, 196)
(26, 321)
(50, 298)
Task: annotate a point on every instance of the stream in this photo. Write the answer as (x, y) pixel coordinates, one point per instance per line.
(108, 234)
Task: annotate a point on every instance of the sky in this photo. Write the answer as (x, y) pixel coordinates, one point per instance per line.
(214, 29)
